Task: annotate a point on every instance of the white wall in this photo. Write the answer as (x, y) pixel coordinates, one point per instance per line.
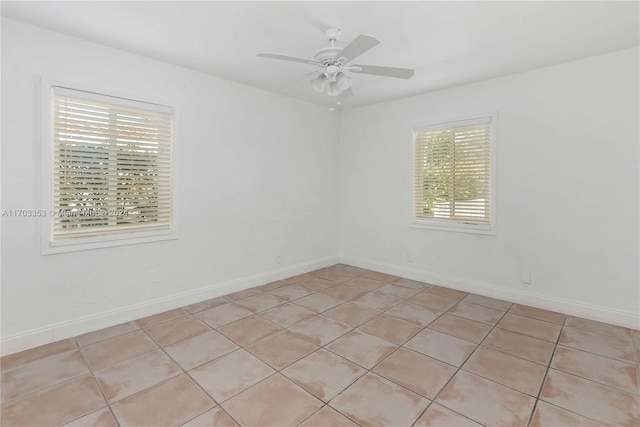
(257, 176)
(567, 187)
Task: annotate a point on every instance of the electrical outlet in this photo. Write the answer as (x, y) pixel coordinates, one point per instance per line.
(525, 277)
(278, 259)
(410, 256)
(153, 276)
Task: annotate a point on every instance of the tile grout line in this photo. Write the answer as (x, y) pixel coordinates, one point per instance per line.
(458, 369)
(190, 378)
(159, 347)
(324, 347)
(398, 346)
(600, 333)
(626, 362)
(569, 373)
(68, 380)
(240, 347)
(401, 346)
(104, 396)
(44, 388)
(326, 405)
(546, 374)
(578, 376)
(108, 338)
(615, 388)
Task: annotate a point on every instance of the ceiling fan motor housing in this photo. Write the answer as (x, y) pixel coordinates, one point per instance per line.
(328, 55)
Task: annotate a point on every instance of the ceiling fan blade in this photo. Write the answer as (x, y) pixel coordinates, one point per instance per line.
(347, 93)
(288, 58)
(294, 82)
(358, 46)
(400, 73)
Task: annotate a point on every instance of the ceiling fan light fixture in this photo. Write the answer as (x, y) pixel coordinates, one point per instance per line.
(343, 81)
(319, 82)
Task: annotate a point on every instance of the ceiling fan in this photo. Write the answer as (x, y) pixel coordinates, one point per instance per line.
(333, 61)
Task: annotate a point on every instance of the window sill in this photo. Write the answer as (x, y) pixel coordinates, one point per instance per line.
(89, 243)
(455, 226)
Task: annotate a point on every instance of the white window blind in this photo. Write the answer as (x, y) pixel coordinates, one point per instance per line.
(111, 164)
(452, 172)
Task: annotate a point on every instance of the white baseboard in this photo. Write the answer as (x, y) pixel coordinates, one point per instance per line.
(71, 328)
(565, 306)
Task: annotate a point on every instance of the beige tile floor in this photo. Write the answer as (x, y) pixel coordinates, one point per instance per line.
(341, 346)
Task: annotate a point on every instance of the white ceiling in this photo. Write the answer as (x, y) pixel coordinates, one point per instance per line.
(447, 43)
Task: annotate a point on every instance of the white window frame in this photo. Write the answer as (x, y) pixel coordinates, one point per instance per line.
(48, 246)
(449, 224)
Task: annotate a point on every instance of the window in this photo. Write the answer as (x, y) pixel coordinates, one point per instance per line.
(111, 172)
(453, 175)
